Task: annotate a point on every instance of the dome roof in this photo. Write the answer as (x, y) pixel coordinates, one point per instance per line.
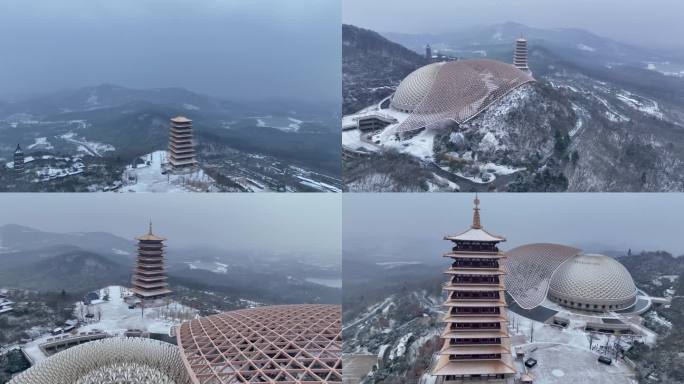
(454, 90)
(594, 279)
(288, 343)
(413, 89)
(110, 361)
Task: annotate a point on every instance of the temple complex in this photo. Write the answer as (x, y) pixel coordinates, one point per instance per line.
(149, 275)
(181, 150)
(476, 341)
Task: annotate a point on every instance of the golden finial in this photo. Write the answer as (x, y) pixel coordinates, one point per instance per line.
(476, 214)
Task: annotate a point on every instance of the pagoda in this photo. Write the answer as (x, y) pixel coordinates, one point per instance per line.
(19, 162)
(149, 275)
(181, 150)
(476, 345)
(520, 55)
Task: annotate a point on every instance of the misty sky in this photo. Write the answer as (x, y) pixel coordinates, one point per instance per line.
(602, 221)
(229, 48)
(657, 22)
(284, 222)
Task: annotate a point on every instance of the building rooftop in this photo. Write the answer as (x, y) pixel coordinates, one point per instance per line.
(285, 343)
(138, 360)
(181, 119)
(454, 90)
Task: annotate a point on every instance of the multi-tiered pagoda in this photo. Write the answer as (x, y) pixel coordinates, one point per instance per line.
(520, 55)
(476, 341)
(181, 149)
(18, 162)
(149, 276)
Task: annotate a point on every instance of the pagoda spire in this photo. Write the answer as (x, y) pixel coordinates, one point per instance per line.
(150, 231)
(476, 214)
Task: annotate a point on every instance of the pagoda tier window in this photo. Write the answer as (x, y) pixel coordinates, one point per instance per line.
(463, 326)
(473, 246)
(475, 263)
(474, 311)
(472, 377)
(469, 279)
(484, 356)
(476, 341)
(465, 295)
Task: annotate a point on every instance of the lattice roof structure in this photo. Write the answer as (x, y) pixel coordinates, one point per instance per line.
(529, 269)
(454, 90)
(594, 279)
(284, 343)
(565, 275)
(110, 361)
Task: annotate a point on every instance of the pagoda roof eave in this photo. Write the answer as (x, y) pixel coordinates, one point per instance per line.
(475, 234)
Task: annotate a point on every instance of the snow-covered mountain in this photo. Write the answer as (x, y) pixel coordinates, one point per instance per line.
(599, 119)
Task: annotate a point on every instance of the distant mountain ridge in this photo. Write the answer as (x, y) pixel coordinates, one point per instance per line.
(372, 66)
(494, 37)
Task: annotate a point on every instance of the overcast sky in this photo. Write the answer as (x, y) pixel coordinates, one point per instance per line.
(273, 222)
(657, 22)
(603, 221)
(229, 48)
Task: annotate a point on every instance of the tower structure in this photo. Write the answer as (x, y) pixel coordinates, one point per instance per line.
(149, 276)
(476, 345)
(18, 162)
(428, 52)
(181, 150)
(520, 55)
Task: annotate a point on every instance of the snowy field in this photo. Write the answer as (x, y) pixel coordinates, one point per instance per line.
(285, 124)
(116, 318)
(148, 177)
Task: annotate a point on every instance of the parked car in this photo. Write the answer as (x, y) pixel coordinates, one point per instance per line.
(605, 360)
(529, 363)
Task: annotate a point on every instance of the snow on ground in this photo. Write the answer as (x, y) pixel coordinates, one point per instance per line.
(394, 264)
(190, 107)
(584, 47)
(610, 113)
(653, 316)
(116, 318)
(148, 177)
(50, 173)
(213, 266)
(420, 145)
(400, 349)
(332, 283)
(321, 186)
(580, 114)
(351, 139)
(41, 143)
(647, 106)
(288, 124)
(440, 184)
(89, 147)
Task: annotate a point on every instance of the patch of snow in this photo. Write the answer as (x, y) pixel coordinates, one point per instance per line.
(190, 107)
(148, 177)
(400, 349)
(41, 142)
(583, 47)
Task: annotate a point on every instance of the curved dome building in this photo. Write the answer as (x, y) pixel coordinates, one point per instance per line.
(453, 90)
(568, 277)
(110, 361)
(593, 283)
(283, 343)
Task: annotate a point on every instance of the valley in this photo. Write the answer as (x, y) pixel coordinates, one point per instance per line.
(90, 139)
